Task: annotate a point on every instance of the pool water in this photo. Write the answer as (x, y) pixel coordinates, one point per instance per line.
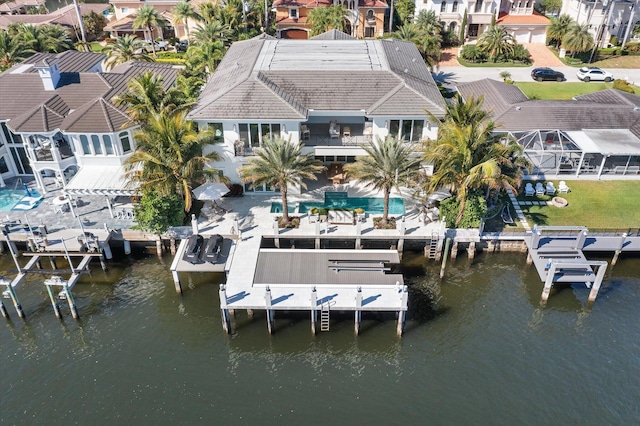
(17, 199)
(339, 200)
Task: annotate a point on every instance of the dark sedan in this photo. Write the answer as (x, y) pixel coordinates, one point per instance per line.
(546, 74)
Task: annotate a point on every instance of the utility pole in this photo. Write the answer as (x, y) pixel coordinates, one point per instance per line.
(608, 5)
(629, 25)
(391, 17)
(80, 23)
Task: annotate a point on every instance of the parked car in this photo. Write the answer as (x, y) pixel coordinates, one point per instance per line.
(595, 74)
(546, 74)
(159, 45)
(182, 46)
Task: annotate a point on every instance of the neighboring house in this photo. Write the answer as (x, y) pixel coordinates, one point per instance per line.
(594, 135)
(20, 7)
(65, 16)
(365, 18)
(605, 18)
(57, 118)
(125, 11)
(332, 95)
(518, 16)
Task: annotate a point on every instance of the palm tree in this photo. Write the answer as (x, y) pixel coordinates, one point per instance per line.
(124, 49)
(496, 41)
(279, 164)
(323, 19)
(427, 40)
(577, 39)
(145, 96)
(468, 155)
(427, 19)
(183, 11)
(211, 32)
(44, 38)
(12, 50)
(148, 17)
(558, 28)
(169, 157)
(389, 163)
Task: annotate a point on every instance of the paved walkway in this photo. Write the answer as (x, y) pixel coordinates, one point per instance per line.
(448, 57)
(516, 207)
(542, 56)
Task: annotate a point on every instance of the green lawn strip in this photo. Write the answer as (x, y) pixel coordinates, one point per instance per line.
(492, 64)
(559, 91)
(596, 205)
(96, 47)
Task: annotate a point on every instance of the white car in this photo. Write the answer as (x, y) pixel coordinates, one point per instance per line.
(594, 74)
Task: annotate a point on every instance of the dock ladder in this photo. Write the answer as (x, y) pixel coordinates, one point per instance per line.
(325, 316)
(433, 245)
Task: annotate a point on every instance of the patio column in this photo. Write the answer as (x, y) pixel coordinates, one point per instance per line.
(109, 206)
(39, 182)
(604, 159)
(580, 164)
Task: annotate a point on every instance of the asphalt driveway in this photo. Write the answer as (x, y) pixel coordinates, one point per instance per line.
(451, 76)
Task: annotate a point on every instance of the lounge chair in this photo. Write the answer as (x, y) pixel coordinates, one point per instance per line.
(341, 217)
(506, 215)
(528, 190)
(563, 188)
(306, 133)
(539, 189)
(550, 189)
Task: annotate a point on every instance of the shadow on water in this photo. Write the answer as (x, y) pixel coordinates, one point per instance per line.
(422, 278)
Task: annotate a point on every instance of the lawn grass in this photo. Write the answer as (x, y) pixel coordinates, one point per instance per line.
(562, 91)
(581, 60)
(96, 47)
(594, 204)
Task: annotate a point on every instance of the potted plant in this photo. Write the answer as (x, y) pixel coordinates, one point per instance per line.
(323, 214)
(313, 214)
(25, 226)
(360, 215)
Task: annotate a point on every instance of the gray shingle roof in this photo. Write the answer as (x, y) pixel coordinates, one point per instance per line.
(513, 111)
(350, 75)
(81, 100)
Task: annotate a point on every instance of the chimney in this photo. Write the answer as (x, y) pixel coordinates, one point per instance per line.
(49, 74)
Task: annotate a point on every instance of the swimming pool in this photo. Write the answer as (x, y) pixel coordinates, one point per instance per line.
(17, 199)
(340, 200)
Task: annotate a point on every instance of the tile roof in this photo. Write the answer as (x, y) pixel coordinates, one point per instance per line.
(82, 100)
(325, 3)
(65, 16)
(515, 112)
(533, 19)
(380, 77)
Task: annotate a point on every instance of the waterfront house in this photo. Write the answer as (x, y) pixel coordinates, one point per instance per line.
(58, 119)
(332, 95)
(65, 16)
(596, 135)
(365, 18)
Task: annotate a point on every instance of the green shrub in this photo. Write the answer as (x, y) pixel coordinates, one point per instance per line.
(171, 61)
(171, 55)
(623, 86)
(475, 208)
(633, 46)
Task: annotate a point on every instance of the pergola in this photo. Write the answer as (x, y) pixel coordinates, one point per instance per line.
(109, 181)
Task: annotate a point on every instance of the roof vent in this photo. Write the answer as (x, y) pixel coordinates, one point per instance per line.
(518, 108)
(406, 70)
(413, 60)
(397, 48)
(636, 109)
(237, 64)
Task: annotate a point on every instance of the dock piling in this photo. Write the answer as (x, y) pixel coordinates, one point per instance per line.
(54, 302)
(127, 247)
(276, 232)
(176, 281)
(224, 312)
(314, 312)
(444, 257)
(3, 310)
(71, 301)
(471, 251)
(619, 250)
(403, 313)
(358, 313)
(14, 297)
(602, 268)
(267, 299)
(172, 246)
(52, 260)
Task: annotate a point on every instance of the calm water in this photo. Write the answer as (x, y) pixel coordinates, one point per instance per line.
(482, 353)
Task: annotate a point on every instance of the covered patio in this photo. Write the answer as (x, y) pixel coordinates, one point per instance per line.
(590, 152)
(108, 181)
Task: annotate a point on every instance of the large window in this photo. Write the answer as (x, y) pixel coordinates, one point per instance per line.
(369, 32)
(455, 6)
(9, 135)
(254, 134)
(443, 7)
(125, 142)
(98, 144)
(478, 7)
(218, 133)
(3, 165)
(293, 12)
(408, 130)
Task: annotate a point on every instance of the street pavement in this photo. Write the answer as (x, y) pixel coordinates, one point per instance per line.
(450, 76)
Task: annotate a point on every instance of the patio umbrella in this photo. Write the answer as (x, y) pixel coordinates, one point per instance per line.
(210, 191)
